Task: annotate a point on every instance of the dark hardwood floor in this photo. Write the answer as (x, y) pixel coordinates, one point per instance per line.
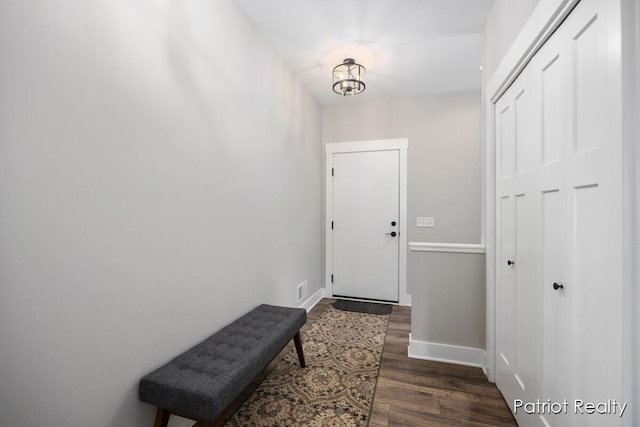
(412, 392)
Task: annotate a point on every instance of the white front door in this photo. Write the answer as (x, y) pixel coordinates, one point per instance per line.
(366, 224)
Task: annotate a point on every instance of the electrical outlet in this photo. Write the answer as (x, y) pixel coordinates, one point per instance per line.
(424, 221)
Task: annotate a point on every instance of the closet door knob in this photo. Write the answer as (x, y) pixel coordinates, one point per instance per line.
(557, 286)
(509, 262)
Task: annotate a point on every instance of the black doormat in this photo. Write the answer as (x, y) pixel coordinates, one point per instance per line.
(363, 307)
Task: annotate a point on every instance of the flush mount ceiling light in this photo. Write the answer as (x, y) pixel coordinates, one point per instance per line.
(347, 78)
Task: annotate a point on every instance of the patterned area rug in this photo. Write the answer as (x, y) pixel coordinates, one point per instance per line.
(342, 350)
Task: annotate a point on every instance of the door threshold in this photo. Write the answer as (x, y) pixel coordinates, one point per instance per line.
(382, 301)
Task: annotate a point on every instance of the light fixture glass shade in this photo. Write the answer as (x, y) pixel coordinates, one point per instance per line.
(347, 78)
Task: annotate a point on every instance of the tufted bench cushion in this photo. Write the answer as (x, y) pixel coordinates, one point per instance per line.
(201, 382)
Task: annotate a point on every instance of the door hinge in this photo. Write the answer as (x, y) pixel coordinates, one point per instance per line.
(332, 278)
(332, 171)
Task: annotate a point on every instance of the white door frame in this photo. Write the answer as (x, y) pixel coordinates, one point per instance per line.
(400, 144)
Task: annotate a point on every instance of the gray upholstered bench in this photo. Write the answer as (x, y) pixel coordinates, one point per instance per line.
(201, 383)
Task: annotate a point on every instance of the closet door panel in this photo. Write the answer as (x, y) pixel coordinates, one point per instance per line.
(506, 292)
(517, 336)
(527, 307)
(587, 77)
(551, 70)
(593, 339)
(526, 327)
(506, 145)
(556, 367)
(588, 287)
(552, 86)
(594, 212)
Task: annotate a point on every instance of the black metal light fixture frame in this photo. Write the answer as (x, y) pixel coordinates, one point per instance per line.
(347, 78)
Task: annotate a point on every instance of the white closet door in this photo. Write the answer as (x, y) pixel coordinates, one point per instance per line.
(550, 84)
(593, 213)
(560, 220)
(517, 335)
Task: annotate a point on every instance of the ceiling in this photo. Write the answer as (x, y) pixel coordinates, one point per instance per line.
(409, 47)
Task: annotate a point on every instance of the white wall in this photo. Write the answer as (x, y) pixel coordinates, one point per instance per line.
(504, 23)
(634, 212)
(160, 175)
(631, 75)
(443, 182)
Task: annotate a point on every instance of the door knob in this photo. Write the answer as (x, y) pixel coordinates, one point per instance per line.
(393, 234)
(557, 286)
(509, 262)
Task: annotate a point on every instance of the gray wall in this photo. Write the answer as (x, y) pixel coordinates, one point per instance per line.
(443, 182)
(160, 175)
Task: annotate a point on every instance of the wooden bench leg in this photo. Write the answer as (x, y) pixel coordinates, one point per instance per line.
(162, 417)
(216, 423)
(298, 343)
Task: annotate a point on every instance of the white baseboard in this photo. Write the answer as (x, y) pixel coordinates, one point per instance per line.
(310, 302)
(406, 300)
(446, 353)
(485, 364)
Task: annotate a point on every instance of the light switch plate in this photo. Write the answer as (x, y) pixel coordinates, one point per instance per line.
(424, 221)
